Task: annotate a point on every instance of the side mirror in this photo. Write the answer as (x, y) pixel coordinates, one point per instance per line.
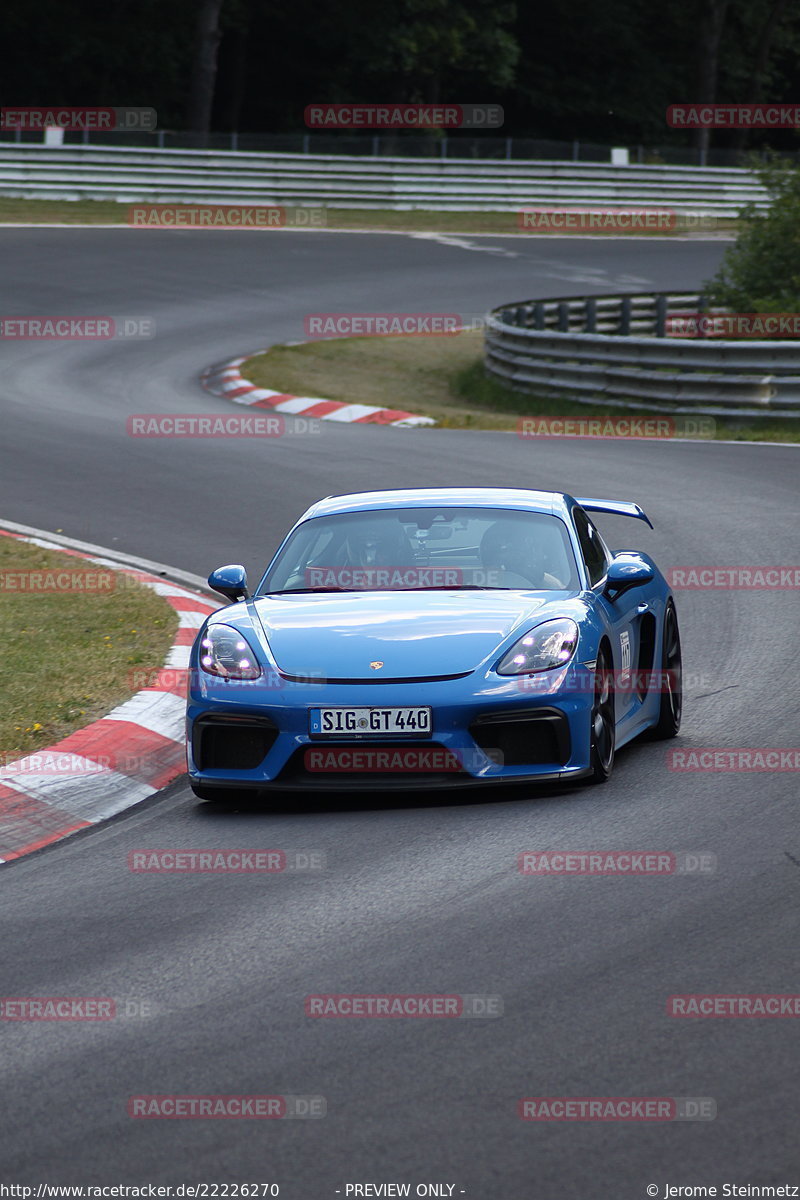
(230, 582)
(626, 571)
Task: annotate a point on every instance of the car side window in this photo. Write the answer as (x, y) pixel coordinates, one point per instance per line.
(592, 548)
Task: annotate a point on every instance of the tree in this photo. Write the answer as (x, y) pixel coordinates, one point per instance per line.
(204, 66)
(761, 271)
(436, 40)
(770, 23)
(712, 25)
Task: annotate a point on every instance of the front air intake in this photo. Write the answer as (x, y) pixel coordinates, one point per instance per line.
(524, 737)
(232, 743)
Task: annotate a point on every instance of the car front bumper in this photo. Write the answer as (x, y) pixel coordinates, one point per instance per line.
(485, 731)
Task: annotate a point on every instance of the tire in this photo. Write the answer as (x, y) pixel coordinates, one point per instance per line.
(603, 731)
(671, 705)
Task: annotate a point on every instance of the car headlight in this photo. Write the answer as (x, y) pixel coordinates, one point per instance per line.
(226, 653)
(549, 645)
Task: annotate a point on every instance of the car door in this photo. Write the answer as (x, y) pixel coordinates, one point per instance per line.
(622, 615)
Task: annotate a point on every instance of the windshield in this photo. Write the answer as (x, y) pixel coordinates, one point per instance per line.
(412, 549)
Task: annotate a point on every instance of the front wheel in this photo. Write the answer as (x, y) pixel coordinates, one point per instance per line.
(671, 681)
(603, 720)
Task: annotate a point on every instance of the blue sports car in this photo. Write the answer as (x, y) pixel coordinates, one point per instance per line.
(433, 637)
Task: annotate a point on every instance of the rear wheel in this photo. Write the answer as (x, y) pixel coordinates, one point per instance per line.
(603, 720)
(671, 681)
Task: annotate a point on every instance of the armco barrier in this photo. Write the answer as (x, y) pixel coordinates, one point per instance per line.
(613, 349)
(118, 173)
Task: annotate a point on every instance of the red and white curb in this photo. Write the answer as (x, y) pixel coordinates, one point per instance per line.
(225, 380)
(115, 762)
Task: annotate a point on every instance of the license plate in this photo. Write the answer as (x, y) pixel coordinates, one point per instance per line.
(361, 722)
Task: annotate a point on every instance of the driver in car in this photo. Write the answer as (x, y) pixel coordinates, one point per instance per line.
(517, 557)
(379, 544)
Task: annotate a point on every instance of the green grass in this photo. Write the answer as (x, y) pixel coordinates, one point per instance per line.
(67, 655)
(62, 212)
(109, 212)
(443, 378)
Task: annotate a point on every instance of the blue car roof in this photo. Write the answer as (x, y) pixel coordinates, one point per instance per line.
(555, 503)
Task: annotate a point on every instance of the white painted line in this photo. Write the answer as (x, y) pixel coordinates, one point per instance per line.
(232, 385)
(79, 788)
(299, 404)
(412, 421)
(353, 412)
(705, 236)
(178, 658)
(50, 763)
(256, 394)
(109, 791)
(113, 557)
(163, 713)
(188, 619)
(344, 413)
(169, 589)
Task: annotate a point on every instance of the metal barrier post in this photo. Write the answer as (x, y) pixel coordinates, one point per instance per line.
(625, 316)
(661, 315)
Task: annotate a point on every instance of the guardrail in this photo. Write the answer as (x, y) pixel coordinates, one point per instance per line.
(615, 350)
(179, 176)
(401, 144)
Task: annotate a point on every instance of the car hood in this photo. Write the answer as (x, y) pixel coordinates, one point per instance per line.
(415, 635)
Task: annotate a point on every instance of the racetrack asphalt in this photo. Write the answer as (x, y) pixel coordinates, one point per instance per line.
(419, 895)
